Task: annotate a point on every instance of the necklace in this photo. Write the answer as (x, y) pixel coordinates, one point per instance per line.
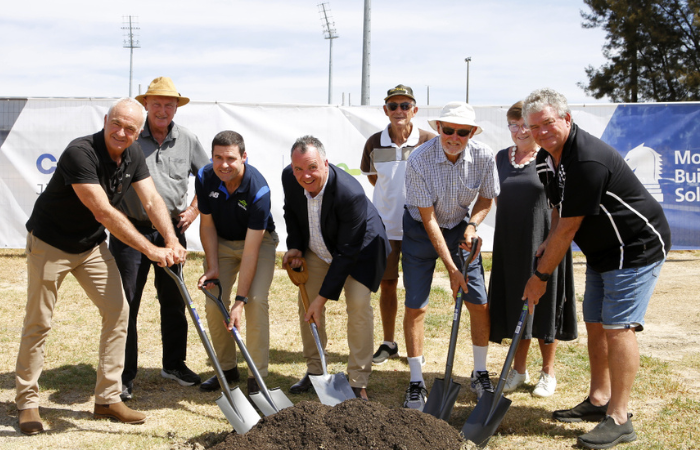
(520, 166)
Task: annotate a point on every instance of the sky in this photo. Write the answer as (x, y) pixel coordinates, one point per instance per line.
(274, 51)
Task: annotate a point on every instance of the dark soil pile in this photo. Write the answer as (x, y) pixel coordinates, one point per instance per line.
(353, 424)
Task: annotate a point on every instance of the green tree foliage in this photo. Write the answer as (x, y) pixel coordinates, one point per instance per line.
(653, 50)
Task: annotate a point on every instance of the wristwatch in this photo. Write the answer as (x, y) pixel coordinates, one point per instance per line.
(474, 225)
(240, 298)
(542, 276)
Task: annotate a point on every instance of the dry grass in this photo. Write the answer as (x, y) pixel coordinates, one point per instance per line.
(666, 412)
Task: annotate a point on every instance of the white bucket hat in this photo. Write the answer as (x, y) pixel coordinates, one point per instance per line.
(460, 113)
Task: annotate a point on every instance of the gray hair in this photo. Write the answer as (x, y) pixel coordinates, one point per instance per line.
(302, 144)
(541, 98)
(132, 102)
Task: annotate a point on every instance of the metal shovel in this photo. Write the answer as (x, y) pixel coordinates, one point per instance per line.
(268, 401)
(236, 408)
(492, 407)
(331, 389)
(444, 392)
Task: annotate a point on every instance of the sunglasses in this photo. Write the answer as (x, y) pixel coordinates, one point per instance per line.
(405, 106)
(461, 132)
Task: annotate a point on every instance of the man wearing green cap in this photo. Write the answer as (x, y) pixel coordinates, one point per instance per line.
(172, 153)
(384, 162)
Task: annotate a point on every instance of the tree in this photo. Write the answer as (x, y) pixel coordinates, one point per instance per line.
(653, 48)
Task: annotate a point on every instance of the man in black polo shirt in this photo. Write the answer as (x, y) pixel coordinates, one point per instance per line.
(603, 207)
(239, 239)
(67, 235)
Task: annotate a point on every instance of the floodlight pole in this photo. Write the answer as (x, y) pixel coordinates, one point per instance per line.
(366, 39)
(330, 34)
(468, 60)
(130, 28)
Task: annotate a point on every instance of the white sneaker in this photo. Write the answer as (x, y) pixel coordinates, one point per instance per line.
(546, 386)
(515, 380)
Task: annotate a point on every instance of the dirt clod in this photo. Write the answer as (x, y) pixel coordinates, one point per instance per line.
(353, 424)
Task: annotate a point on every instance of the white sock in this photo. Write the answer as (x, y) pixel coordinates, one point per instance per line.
(480, 354)
(390, 344)
(416, 369)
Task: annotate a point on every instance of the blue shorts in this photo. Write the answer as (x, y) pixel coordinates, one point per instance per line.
(619, 298)
(418, 260)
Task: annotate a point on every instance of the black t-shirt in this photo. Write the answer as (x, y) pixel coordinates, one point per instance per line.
(59, 217)
(624, 226)
(247, 207)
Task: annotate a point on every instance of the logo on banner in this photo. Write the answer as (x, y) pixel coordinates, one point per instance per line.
(645, 162)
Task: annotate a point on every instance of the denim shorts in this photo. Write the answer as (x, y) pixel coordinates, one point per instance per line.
(619, 298)
(418, 261)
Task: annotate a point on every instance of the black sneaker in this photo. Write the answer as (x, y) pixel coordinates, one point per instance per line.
(127, 390)
(183, 375)
(608, 434)
(253, 387)
(583, 412)
(212, 384)
(416, 394)
(480, 383)
(384, 352)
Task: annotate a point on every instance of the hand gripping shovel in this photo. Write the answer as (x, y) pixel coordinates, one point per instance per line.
(236, 408)
(492, 407)
(268, 401)
(331, 389)
(444, 392)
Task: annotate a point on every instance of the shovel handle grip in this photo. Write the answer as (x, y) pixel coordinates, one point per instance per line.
(300, 275)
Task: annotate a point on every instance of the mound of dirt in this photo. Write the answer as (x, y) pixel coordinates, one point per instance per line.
(353, 424)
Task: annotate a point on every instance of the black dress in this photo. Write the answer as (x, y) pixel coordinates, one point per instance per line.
(523, 220)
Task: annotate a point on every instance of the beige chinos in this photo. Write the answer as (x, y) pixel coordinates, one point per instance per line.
(257, 321)
(360, 324)
(97, 273)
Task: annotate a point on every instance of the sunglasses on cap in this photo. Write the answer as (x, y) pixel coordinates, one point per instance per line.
(449, 131)
(405, 106)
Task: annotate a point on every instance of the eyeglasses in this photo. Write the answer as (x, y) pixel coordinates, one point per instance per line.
(461, 132)
(514, 127)
(405, 106)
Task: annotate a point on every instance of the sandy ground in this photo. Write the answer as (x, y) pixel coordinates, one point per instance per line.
(672, 322)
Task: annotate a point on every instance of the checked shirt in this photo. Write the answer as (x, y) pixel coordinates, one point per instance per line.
(432, 180)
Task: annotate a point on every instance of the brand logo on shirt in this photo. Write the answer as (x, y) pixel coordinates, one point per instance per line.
(214, 194)
(243, 204)
(127, 175)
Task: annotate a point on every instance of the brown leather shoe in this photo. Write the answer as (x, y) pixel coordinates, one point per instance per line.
(119, 411)
(30, 422)
(360, 393)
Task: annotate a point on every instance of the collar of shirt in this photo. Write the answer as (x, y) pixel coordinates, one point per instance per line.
(172, 132)
(243, 187)
(320, 194)
(412, 141)
(441, 158)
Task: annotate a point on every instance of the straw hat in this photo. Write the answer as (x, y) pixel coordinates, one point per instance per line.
(164, 87)
(459, 113)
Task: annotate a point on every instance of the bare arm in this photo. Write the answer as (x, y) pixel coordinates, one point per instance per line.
(249, 263)
(481, 209)
(189, 215)
(433, 229)
(372, 179)
(210, 243)
(557, 245)
(95, 199)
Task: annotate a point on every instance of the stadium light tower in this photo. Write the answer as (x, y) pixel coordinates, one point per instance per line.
(329, 33)
(131, 41)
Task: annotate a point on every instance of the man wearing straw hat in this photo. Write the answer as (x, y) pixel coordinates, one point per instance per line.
(384, 162)
(443, 177)
(172, 153)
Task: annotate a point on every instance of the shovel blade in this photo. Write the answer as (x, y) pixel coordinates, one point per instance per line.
(248, 415)
(440, 403)
(479, 427)
(279, 399)
(332, 389)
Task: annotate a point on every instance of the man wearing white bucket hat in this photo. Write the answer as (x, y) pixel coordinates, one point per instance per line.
(444, 176)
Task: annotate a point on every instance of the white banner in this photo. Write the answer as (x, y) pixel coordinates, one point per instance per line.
(34, 132)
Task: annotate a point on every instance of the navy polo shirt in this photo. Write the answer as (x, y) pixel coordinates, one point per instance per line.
(233, 214)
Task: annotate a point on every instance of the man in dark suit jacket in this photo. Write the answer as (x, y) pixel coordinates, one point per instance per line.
(331, 222)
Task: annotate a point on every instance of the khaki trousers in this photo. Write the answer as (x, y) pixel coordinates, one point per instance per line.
(257, 322)
(97, 273)
(360, 324)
